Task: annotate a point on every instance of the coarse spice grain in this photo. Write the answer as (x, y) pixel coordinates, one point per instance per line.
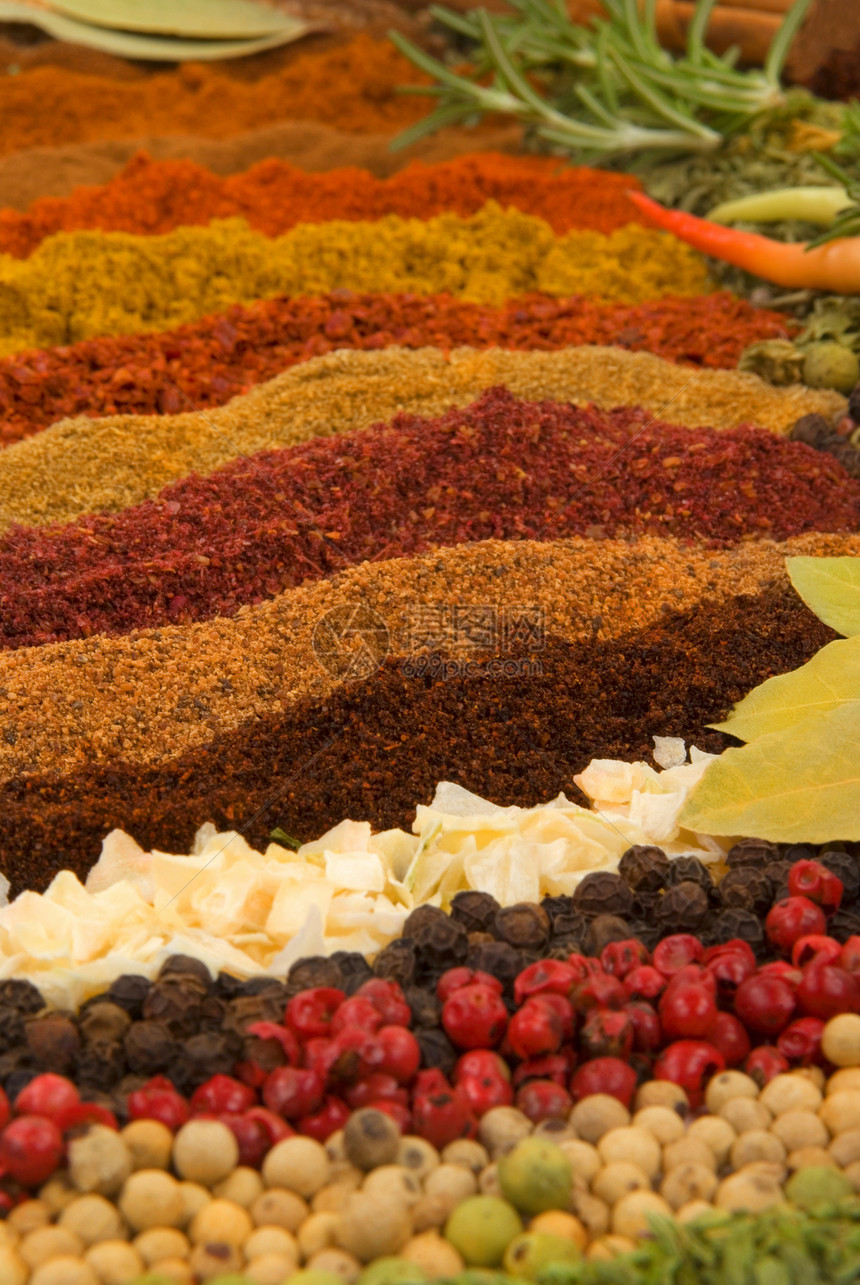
(77, 285)
(373, 749)
(166, 690)
(352, 86)
(61, 473)
(498, 469)
(219, 357)
(157, 196)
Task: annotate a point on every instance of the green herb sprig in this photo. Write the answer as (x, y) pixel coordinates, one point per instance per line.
(611, 89)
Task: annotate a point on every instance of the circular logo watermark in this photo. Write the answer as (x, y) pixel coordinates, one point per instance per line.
(351, 641)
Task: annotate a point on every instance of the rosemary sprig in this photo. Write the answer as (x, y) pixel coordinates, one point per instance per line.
(610, 88)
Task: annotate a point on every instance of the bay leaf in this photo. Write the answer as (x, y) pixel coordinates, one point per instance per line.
(824, 682)
(831, 588)
(800, 785)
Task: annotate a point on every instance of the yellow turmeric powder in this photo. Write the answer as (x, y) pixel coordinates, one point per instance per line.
(82, 284)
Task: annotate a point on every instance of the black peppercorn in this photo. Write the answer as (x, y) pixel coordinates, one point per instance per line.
(604, 929)
(202, 1057)
(129, 992)
(354, 969)
(733, 923)
(177, 1000)
(565, 920)
(22, 996)
(499, 959)
(104, 1021)
(440, 941)
(247, 1009)
(53, 1041)
(756, 852)
(691, 870)
(19, 1080)
(398, 961)
(101, 1064)
(149, 1047)
(644, 868)
(228, 986)
(426, 1008)
(436, 1049)
(844, 924)
(474, 910)
(798, 852)
(275, 992)
(524, 926)
(186, 966)
(603, 894)
(681, 909)
(847, 871)
(746, 888)
(315, 970)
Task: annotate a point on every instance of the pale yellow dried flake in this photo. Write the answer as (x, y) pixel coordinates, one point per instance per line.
(83, 465)
(138, 711)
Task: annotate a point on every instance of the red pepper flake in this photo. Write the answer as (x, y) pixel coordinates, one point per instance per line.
(499, 469)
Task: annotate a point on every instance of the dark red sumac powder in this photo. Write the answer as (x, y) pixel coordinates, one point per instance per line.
(499, 469)
(218, 357)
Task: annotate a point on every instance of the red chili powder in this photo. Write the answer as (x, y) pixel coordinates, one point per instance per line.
(156, 196)
(498, 469)
(216, 358)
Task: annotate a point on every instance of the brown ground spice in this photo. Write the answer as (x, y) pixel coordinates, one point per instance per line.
(61, 473)
(57, 171)
(373, 749)
(157, 693)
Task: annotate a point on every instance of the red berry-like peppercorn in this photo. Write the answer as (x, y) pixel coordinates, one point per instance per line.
(689, 1064)
(389, 999)
(734, 946)
(222, 1095)
(813, 880)
(607, 1033)
(686, 1011)
(556, 1067)
(85, 1113)
(254, 1138)
(645, 982)
(486, 1091)
(443, 1117)
(355, 1011)
(619, 958)
(604, 1075)
(543, 1100)
(455, 978)
(729, 970)
(791, 919)
(294, 1091)
(849, 956)
(647, 1031)
(475, 1017)
(599, 991)
(825, 950)
(535, 1029)
(827, 990)
(400, 1052)
(158, 1100)
(785, 971)
(282, 1036)
(764, 1064)
(31, 1148)
(310, 1012)
(546, 975)
(374, 1088)
(481, 1062)
(729, 1036)
(357, 1053)
(400, 1114)
(765, 1005)
(584, 966)
(800, 1042)
(48, 1094)
(675, 952)
(5, 1109)
(332, 1115)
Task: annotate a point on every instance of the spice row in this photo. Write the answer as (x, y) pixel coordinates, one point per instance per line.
(59, 474)
(77, 285)
(153, 197)
(274, 520)
(214, 359)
